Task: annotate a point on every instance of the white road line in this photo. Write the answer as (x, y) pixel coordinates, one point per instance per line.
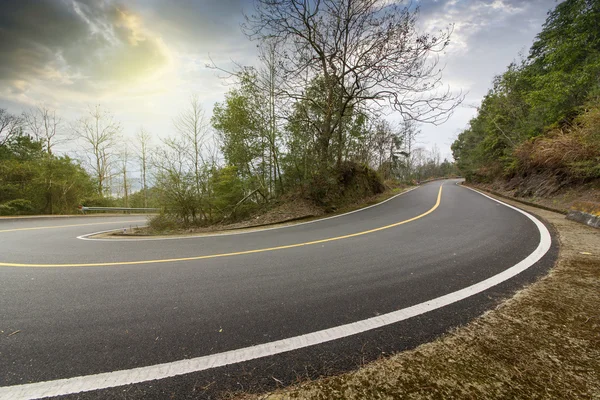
(88, 236)
(171, 369)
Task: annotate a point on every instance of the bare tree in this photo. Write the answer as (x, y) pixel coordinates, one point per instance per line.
(44, 125)
(366, 51)
(10, 126)
(409, 133)
(183, 168)
(143, 144)
(123, 171)
(98, 133)
(192, 127)
(268, 79)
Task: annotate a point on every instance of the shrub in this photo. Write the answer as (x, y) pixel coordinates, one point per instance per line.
(573, 151)
(348, 183)
(17, 207)
(164, 222)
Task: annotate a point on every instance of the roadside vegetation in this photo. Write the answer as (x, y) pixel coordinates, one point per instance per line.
(537, 131)
(311, 120)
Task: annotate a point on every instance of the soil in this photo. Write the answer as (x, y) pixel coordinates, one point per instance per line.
(547, 193)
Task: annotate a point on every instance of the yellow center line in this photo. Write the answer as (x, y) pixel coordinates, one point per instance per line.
(238, 253)
(35, 228)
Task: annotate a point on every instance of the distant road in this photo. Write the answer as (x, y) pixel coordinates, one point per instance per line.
(247, 311)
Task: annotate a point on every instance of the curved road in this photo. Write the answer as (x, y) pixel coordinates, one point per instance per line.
(248, 311)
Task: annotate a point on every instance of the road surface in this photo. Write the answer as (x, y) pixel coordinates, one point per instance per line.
(193, 317)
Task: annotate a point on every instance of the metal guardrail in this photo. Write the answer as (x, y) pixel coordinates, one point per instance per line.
(83, 209)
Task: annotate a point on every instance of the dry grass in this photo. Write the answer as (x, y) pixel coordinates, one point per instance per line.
(588, 207)
(573, 151)
(544, 343)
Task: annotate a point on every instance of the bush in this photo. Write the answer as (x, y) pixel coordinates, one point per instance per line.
(164, 222)
(17, 207)
(99, 201)
(347, 184)
(573, 151)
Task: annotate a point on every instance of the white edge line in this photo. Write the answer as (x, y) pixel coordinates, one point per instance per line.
(87, 236)
(161, 371)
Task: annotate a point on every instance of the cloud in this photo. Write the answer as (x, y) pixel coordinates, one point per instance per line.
(198, 26)
(477, 21)
(77, 44)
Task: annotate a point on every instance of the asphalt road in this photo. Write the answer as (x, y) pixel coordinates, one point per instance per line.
(155, 302)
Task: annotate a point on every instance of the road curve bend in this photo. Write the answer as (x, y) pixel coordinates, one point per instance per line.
(193, 317)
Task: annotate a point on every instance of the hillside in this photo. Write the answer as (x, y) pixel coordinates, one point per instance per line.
(537, 131)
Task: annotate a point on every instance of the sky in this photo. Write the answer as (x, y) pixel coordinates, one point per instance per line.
(143, 59)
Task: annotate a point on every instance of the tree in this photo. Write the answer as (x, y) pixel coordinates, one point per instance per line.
(143, 148)
(44, 125)
(365, 51)
(247, 132)
(99, 135)
(10, 126)
(183, 167)
(32, 181)
(410, 133)
(564, 61)
(531, 121)
(191, 125)
(258, 89)
(123, 158)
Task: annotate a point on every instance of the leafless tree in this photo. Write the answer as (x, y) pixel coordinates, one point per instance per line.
(366, 51)
(44, 125)
(192, 127)
(409, 133)
(98, 133)
(143, 147)
(10, 126)
(123, 160)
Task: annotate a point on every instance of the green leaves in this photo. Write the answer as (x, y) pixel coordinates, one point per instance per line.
(34, 182)
(543, 92)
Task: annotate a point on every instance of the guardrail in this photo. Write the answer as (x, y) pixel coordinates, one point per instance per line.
(83, 209)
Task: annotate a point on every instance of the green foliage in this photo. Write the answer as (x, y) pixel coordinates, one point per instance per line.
(136, 200)
(249, 136)
(180, 198)
(35, 182)
(539, 97)
(350, 182)
(228, 192)
(17, 207)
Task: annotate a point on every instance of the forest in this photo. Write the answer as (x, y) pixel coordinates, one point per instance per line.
(310, 119)
(539, 125)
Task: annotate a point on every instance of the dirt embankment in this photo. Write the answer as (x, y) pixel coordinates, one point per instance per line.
(547, 192)
(544, 343)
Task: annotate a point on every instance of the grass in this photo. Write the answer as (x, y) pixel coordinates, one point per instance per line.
(544, 343)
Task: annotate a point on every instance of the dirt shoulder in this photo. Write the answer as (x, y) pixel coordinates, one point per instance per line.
(542, 343)
(285, 214)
